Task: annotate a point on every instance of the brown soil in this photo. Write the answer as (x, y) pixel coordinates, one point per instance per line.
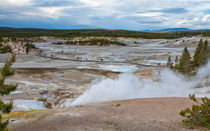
(152, 114)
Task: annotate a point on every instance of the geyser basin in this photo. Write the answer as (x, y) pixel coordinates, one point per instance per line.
(128, 86)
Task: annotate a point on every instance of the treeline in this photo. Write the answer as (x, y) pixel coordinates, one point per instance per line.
(30, 32)
(92, 42)
(193, 33)
(23, 32)
(185, 64)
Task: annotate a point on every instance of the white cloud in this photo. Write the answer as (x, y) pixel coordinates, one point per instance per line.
(206, 18)
(112, 13)
(48, 12)
(149, 14)
(15, 3)
(52, 12)
(90, 3)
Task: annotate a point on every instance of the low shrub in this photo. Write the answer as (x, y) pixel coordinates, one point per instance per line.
(199, 115)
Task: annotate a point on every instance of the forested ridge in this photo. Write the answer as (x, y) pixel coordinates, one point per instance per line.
(29, 32)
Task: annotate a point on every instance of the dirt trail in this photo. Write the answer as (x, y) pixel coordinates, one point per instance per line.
(152, 114)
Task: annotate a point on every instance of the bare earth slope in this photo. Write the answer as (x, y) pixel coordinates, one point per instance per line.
(152, 114)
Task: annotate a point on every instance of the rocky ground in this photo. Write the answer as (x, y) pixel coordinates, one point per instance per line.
(54, 85)
(56, 74)
(153, 114)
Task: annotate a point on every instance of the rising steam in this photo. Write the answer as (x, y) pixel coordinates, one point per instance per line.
(128, 86)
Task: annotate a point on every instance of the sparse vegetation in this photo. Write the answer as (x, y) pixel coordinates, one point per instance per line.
(5, 49)
(5, 89)
(17, 45)
(29, 46)
(117, 105)
(92, 42)
(42, 99)
(199, 115)
(46, 103)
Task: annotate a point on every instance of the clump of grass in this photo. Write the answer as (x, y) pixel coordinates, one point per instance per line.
(118, 105)
(42, 99)
(46, 103)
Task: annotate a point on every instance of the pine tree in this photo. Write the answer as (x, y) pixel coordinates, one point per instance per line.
(185, 61)
(176, 60)
(5, 89)
(176, 67)
(198, 54)
(208, 50)
(169, 63)
(204, 53)
(199, 114)
(201, 54)
(27, 48)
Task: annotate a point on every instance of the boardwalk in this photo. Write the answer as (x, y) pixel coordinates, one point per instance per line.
(100, 61)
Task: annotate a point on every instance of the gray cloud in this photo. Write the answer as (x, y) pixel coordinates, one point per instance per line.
(115, 14)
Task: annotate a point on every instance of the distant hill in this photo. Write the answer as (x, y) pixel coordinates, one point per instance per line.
(170, 33)
(171, 29)
(33, 32)
(178, 30)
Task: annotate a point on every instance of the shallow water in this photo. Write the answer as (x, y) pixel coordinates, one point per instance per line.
(118, 68)
(27, 105)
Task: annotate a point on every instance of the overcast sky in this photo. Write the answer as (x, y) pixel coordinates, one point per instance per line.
(110, 14)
